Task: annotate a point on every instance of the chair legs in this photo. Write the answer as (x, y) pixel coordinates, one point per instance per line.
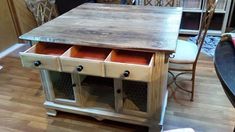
(180, 87)
(193, 83)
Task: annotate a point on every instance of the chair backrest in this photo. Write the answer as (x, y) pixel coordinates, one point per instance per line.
(170, 3)
(205, 23)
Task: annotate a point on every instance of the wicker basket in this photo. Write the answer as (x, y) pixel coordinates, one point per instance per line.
(43, 10)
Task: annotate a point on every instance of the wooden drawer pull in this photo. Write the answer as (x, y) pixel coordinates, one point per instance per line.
(126, 73)
(79, 68)
(37, 63)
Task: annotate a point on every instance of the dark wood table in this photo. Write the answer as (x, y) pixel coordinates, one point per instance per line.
(225, 68)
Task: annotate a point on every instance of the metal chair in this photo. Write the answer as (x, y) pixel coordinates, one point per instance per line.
(184, 60)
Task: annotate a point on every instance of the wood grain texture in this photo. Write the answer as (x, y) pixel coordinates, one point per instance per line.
(115, 26)
(8, 33)
(23, 17)
(15, 19)
(21, 109)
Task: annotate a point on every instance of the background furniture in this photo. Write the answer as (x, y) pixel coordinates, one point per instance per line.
(15, 19)
(66, 5)
(231, 22)
(170, 3)
(224, 65)
(192, 15)
(111, 73)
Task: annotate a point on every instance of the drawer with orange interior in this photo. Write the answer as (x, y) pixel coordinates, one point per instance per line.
(44, 56)
(85, 60)
(129, 65)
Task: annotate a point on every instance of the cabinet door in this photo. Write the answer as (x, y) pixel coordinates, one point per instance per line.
(60, 87)
(131, 97)
(8, 34)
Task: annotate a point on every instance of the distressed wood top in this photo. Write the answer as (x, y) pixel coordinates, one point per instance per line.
(115, 26)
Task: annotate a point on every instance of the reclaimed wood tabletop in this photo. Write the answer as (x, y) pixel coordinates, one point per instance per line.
(144, 28)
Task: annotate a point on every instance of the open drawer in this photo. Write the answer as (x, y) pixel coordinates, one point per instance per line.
(84, 60)
(130, 65)
(44, 56)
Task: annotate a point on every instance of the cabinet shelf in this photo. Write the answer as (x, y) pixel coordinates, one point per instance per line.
(100, 92)
(192, 16)
(217, 22)
(190, 20)
(191, 4)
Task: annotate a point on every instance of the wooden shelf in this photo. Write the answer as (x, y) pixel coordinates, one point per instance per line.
(100, 92)
(190, 23)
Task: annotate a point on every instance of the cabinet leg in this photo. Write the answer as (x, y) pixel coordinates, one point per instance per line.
(51, 112)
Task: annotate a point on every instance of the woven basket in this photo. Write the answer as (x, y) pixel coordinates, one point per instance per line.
(43, 10)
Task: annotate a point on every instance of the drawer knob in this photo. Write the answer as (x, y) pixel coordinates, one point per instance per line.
(37, 63)
(79, 68)
(119, 91)
(126, 73)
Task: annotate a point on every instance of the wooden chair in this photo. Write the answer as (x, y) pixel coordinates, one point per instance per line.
(184, 60)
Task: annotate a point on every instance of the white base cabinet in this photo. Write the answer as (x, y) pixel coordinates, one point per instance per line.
(102, 83)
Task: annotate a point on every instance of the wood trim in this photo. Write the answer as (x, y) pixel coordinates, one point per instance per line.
(99, 113)
(118, 96)
(157, 86)
(14, 18)
(47, 86)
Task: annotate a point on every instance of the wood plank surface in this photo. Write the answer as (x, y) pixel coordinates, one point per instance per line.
(114, 26)
(22, 110)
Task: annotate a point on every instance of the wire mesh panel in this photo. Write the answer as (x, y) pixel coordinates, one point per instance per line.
(62, 85)
(135, 95)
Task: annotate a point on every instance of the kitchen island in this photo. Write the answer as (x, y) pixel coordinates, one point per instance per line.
(106, 61)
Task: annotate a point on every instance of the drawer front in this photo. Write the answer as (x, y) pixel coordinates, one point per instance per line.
(32, 60)
(82, 66)
(128, 71)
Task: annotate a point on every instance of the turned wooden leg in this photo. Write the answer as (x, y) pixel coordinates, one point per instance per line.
(51, 112)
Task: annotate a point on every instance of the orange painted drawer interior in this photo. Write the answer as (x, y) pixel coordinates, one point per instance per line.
(133, 57)
(89, 52)
(51, 49)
